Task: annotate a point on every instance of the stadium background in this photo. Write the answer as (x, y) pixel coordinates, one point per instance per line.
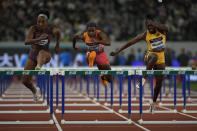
(121, 20)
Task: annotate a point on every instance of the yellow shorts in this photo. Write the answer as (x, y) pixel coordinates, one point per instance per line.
(160, 55)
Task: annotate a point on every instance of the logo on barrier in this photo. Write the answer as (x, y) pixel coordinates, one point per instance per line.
(150, 72)
(104, 72)
(88, 72)
(25, 72)
(9, 72)
(72, 73)
(166, 72)
(181, 72)
(41, 72)
(119, 72)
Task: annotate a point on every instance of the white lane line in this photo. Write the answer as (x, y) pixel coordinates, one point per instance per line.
(162, 107)
(179, 112)
(119, 115)
(56, 123)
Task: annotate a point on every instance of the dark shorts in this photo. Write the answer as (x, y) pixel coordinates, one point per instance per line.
(33, 55)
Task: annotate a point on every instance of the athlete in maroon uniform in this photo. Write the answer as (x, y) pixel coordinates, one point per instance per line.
(39, 37)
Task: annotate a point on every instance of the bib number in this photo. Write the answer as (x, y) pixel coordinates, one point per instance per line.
(43, 42)
(157, 43)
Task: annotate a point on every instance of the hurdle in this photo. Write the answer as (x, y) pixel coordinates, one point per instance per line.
(95, 73)
(130, 72)
(183, 73)
(45, 82)
(41, 81)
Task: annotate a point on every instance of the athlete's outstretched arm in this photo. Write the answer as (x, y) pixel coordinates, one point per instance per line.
(104, 39)
(56, 32)
(29, 38)
(130, 43)
(75, 38)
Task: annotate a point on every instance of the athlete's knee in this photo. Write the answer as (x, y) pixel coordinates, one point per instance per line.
(159, 81)
(48, 58)
(44, 56)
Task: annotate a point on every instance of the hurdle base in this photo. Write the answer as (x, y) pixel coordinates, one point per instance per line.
(134, 99)
(95, 99)
(48, 110)
(169, 95)
(189, 111)
(120, 110)
(57, 111)
(160, 104)
(140, 121)
(189, 99)
(184, 110)
(26, 122)
(148, 111)
(170, 122)
(44, 103)
(41, 99)
(87, 111)
(106, 104)
(175, 111)
(96, 122)
(97, 103)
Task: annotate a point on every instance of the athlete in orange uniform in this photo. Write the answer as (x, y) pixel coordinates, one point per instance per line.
(95, 40)
(155, 37)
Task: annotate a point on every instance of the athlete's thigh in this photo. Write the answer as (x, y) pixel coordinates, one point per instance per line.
(151, 58)
(30, 65)
(45, 55)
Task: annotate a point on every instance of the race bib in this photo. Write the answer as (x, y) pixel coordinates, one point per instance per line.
(93, 47)
(157, 43)
(43, 42)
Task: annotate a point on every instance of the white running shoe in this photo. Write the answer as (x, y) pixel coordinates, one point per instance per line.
(37, 95)
(138, 84)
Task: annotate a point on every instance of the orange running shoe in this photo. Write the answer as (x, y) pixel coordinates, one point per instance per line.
(105, 82)
(92, 57)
